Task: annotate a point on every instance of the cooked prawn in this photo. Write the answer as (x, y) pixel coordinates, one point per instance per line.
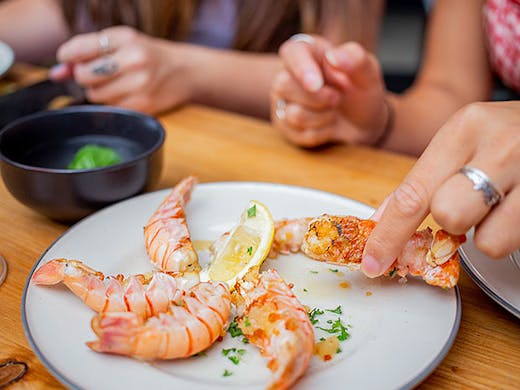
(288, 235)
(274, 320)
(166, 234)
(144, 295)
(191, 324)
(342, 239)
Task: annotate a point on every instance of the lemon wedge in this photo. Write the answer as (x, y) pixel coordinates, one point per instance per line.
(246, 246)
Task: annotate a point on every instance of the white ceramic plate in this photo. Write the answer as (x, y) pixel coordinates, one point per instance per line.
(399, 332)
(6, 58)
(500, 279)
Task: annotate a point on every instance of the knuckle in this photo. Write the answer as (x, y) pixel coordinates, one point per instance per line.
(139, 56)
(448, 218)
(490, 246)
(411, 198)
(93, 95)
(470, 114)
(296, 116)
(128, 34)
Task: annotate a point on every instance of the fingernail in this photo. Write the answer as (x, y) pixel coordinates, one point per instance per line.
(56, 70)
(60, 72)
(370, 266)
(329, 55)
(312, 81)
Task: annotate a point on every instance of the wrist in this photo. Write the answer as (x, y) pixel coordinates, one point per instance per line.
(388, 124)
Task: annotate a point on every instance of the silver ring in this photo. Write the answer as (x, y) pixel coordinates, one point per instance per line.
(302, 38)
(280, 109)
(515, 258)
(104, 44)
(481, 182)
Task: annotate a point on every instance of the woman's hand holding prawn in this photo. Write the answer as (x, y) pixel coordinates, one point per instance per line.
(482, 138)
(328, 94)
(121, 66)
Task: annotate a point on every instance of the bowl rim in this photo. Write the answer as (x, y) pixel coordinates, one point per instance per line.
(84, 108)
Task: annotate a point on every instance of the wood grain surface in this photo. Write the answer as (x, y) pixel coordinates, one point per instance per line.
(219, 146)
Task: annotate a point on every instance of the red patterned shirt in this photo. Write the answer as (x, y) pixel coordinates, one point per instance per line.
(502, 26)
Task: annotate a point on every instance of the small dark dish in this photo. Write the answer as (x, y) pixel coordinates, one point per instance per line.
(35, 151)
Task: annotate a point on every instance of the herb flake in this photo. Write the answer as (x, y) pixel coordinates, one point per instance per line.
(251, 212)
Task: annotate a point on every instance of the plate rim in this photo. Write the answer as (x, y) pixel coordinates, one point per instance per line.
(10, 58)
(479, 280)
(54, 371)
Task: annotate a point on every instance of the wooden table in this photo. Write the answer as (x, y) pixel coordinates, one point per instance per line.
(219, 146)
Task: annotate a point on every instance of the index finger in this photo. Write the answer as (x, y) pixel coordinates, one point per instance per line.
(86, 47)
(409, 204)
(303, 61)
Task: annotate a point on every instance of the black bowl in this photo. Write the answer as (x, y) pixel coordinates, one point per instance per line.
(35, 151)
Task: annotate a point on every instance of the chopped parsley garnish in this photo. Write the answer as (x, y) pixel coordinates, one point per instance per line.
(251, 212)
(337, 310)
(227, 373)
(201, 353)
(335, 270)
(313, 272)
(337, 327)
(305, 290)
(250, 250)
(247, 322)
(234, 354)
(392, 272)
(234, 330)
(245, 340)
(313, 314)
(339, 350)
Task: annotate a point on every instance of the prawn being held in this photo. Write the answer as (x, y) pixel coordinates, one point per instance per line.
(342, 239)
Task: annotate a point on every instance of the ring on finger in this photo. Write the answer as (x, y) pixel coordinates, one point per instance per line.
(280, 109)
(481, 182)
(107, 67)
(302, 38)
(104, 44)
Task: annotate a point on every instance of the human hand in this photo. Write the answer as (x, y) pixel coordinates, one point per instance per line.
(123, 67)
(328, 94)
(485, 136)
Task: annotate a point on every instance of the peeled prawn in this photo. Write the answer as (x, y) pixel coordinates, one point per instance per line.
(342, 239)
(144, 295)
(275, 321)
(191, 324)
(166, 233)
(288, 235)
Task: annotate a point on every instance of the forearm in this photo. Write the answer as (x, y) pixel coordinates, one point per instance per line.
(232, 80)
(419, 113)
(34, 29)
(454, 72)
